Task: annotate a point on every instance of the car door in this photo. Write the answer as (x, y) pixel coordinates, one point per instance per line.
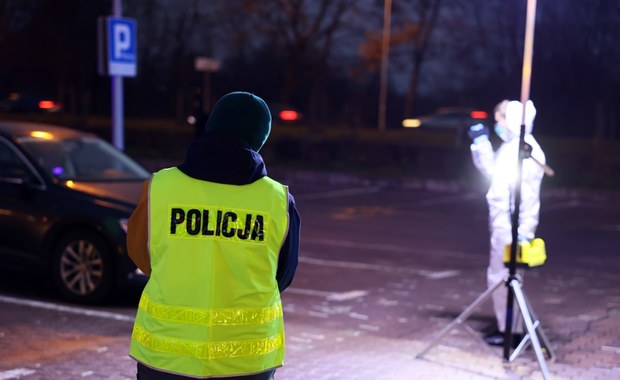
(23, 207)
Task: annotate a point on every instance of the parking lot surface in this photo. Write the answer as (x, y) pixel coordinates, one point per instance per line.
(383, 269)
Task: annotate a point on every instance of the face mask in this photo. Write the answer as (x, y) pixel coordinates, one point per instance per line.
(502, 132)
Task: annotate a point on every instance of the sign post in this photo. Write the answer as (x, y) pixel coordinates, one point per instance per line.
(118, 59)
(207, 66)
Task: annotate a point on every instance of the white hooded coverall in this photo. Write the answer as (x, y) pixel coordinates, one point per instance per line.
(501, 167)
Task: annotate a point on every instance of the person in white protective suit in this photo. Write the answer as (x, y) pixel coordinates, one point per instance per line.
(501, 167)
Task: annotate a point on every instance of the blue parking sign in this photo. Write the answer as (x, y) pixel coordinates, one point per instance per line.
(122, 46)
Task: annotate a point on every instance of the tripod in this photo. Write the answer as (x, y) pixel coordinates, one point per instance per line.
(535, 335)
(513, 281)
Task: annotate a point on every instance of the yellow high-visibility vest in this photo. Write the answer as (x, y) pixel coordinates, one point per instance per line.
(211, 306)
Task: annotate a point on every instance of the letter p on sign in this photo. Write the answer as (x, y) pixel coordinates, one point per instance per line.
(122, 42)
(122, 46)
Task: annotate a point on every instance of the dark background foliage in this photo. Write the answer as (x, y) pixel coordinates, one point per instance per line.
(322, 56)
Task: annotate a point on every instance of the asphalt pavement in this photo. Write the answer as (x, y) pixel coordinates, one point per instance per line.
(575, 296)
(384, 267)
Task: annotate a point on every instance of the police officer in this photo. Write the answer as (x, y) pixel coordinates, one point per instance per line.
(501, 167)
(219, 241)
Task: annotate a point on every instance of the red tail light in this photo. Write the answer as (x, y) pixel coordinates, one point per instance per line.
(478, 115)
(289, 115)
(47, 104)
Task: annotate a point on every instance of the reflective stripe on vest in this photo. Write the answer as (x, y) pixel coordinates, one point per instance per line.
(211, 306)
(226, 317)
(211, 350)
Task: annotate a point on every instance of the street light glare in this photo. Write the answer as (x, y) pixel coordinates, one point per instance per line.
(411, 123)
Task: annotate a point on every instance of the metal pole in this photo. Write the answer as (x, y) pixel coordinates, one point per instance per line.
(528, 51)
(525, 94)
(385, 50)
(206, 92)
(117, 95)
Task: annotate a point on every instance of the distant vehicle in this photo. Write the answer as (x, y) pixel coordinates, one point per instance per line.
(65, 197)
(449, 118)
(285, 114)
(455, 120)
(20, 102)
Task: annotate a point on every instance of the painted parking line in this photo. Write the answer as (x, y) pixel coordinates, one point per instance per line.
(329, 296)
(67, 309)
(16, 373)
(432, 275)
(340, 193)
(389, 248)
(444, 200)
(555, 206)
(610, 227)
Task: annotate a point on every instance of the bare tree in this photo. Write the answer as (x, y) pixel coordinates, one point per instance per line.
(240, 26)
(413, 24)
(15, 16)
(171, 35)
(418, 31)
(305, 31)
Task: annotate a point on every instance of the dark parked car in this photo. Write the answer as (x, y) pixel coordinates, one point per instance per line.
(65, 197)
(450, 119)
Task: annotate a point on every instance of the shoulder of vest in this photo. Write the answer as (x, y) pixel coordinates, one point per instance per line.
(275, 183)
(169, 170)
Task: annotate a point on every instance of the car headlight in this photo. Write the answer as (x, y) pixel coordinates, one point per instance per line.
(123, 224)
(411, 123)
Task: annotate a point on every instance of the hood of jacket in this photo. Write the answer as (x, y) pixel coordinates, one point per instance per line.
(223, 158)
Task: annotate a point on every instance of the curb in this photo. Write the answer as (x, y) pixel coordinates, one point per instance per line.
(437, 185)
(413, 183)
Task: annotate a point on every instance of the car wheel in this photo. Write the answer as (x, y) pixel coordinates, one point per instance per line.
(82, 267)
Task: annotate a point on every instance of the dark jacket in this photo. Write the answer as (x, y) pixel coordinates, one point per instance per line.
(221, 158)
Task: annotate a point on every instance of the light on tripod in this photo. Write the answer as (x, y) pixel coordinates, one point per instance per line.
(529, 254)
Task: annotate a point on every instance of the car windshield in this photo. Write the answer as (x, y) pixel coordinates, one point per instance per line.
(83, 159)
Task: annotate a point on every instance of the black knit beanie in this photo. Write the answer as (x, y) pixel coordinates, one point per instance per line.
(242, 114)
